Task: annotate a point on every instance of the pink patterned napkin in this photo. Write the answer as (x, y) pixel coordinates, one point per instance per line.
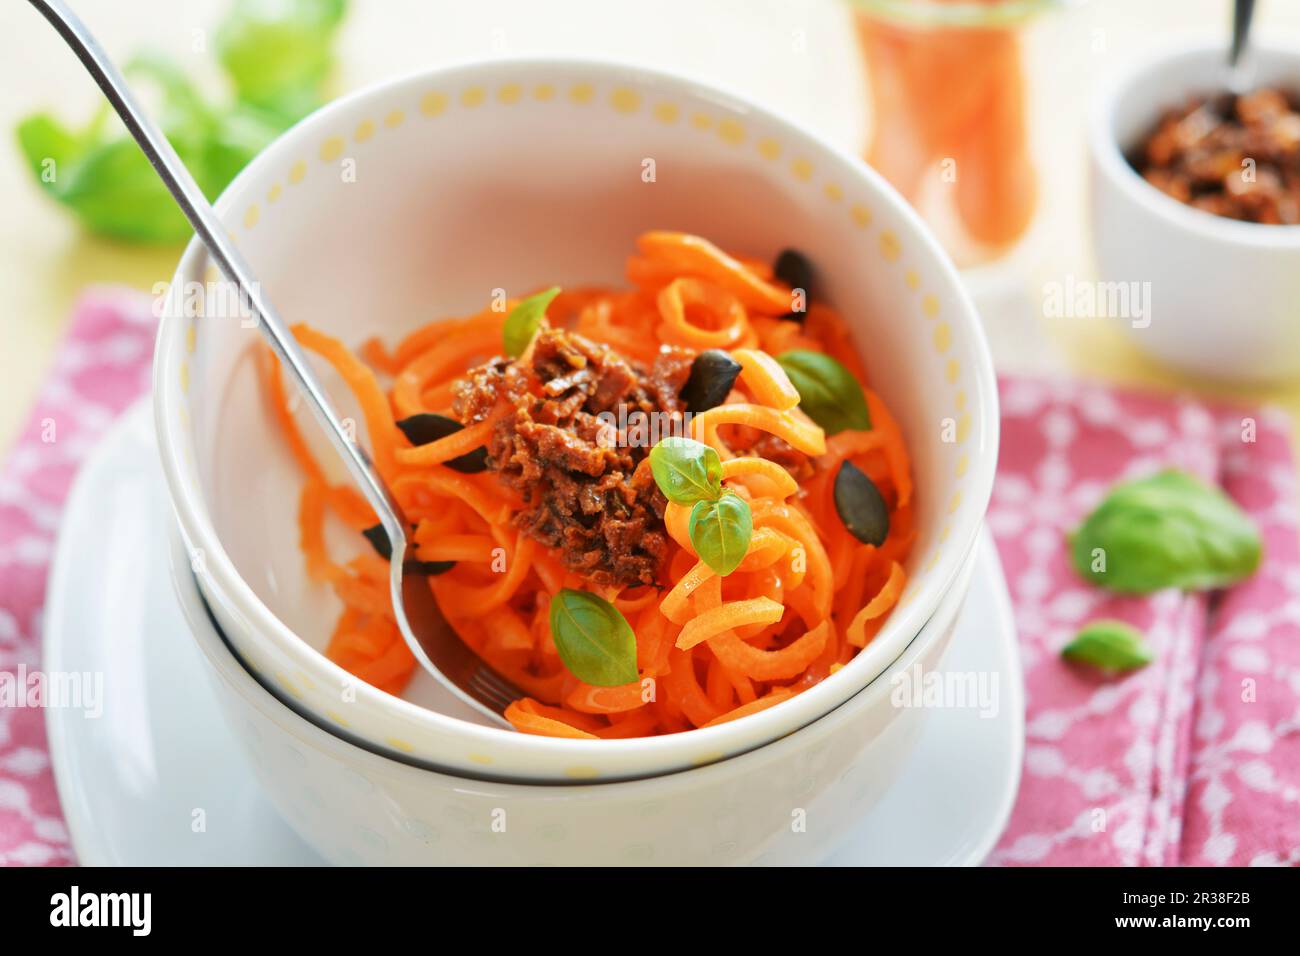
(102, 366)
(1195, 759)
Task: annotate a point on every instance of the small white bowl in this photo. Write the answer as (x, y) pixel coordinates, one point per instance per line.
(787, 803)
(415, 200)
(1224, 295)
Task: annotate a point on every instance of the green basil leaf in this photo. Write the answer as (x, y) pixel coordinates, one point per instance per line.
(720, 531)
(525, 319)
(277, 53)
(1109, 645)
(828, 392)
(686, 470)
(595, 641)
(1167, 530)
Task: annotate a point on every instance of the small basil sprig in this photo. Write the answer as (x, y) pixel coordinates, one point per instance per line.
(525, 319)
(1109, 645)
(720, 531)
(1166, 530)
(828, 392)
(690, 472)
(686, 470)
(595, 641)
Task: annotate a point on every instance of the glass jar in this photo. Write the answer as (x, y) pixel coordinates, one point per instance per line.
(951, 127)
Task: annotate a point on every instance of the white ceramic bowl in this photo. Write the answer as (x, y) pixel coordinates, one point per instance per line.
(1224, 294)
(787, 803)
(414, 200)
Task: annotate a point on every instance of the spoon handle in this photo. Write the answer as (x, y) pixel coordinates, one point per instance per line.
(213, 234)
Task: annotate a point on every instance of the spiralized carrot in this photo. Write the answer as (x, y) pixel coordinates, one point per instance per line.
(731, 325)
(766, 379)
(782, 481)
(711, 623)
(311, 532)
(885, 599)
(676, 605)
(524, 716)
(453, 446)
(693, 256)
(379, 417)
(781, 664)
(805, 596)
(744, 710)
(802, 435)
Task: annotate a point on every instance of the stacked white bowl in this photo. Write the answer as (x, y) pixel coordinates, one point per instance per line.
(414, 200)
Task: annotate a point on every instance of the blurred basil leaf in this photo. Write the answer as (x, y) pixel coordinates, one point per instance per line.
(278, 54)
(1109, 645)
(1166, 530)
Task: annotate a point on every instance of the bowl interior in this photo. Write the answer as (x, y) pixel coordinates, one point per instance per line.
(417, 200)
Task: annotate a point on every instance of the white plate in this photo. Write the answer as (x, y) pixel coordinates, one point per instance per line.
(134, 780)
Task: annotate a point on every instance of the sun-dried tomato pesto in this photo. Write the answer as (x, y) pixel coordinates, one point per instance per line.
(578, 474)
(1234, 156)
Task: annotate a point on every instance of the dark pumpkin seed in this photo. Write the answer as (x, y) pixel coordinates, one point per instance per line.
(378, 539)
(860, 505)
(427, 427)
(712, 374)
(794, 269)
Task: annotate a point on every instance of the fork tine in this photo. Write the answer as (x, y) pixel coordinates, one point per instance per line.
(503, 686)
(492, 689)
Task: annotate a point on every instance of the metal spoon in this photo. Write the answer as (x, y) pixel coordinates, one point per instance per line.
(427, 633)
(1239, 79)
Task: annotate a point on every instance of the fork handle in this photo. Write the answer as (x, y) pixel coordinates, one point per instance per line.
(213, 234)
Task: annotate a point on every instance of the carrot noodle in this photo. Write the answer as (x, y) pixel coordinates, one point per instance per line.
(731, 325)
(806, 596)
(759, 610)
(783, 483)
(311, 532)
(605, 700)
(775, 696)
(802, 435)
(693, 256)
(766, 379)
(676, 606)
(524, 716)
(453, 446)
(885, 599)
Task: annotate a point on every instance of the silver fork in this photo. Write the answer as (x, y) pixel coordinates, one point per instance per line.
(426, 632)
